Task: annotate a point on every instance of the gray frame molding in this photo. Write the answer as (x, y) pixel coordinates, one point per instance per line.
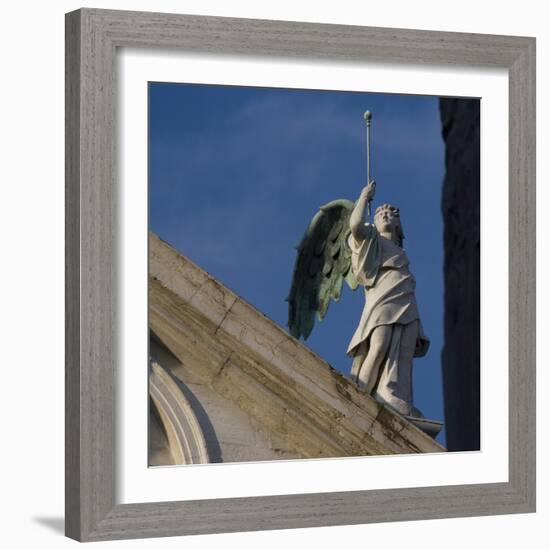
(92, 37)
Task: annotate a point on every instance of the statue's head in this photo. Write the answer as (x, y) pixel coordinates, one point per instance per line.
(387, 220)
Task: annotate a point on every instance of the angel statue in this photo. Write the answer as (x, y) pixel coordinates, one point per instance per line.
(340, 245)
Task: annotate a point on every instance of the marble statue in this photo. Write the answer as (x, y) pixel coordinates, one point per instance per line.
(390, 333)
(340, 245)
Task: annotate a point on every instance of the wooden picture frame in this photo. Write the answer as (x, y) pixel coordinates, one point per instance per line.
(92, 38)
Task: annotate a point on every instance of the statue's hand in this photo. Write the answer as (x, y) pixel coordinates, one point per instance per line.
(368, 191)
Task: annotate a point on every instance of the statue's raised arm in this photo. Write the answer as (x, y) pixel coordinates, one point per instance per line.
(357, 218)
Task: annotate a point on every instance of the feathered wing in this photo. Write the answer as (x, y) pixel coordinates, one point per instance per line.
(322, 265)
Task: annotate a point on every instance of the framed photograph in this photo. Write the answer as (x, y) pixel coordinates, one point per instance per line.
(235, 187)
(236, 175)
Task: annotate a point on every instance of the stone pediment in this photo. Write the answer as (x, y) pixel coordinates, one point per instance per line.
(256, 392)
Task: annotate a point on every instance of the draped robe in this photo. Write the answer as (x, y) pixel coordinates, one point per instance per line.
(381, 267)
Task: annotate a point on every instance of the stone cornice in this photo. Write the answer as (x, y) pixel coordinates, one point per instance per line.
(277, 380)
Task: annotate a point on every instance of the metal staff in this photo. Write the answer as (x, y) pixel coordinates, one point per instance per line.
(368, 120)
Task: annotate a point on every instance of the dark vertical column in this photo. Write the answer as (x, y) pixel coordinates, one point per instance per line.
(461, 210)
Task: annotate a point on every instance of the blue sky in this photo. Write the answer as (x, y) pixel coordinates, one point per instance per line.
(237, 173)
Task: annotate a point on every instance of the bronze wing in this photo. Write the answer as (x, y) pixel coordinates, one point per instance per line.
(322, 264)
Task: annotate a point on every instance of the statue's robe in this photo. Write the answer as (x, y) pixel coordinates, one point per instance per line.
(381, 267)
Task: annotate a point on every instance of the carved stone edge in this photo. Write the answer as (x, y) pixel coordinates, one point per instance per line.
(199, 319)
(185, 436)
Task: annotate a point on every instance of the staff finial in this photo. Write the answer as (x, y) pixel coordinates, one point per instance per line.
(368, 120)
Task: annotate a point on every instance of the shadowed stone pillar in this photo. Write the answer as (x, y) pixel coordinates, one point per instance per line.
(460, 206)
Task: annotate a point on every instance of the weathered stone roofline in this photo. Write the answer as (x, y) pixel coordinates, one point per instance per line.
(275, 379)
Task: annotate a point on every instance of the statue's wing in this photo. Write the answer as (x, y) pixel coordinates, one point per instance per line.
(322, 264)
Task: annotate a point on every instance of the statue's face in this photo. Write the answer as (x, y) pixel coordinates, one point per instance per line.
(387, 220)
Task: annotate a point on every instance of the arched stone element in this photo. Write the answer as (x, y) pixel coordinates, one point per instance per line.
(184, 433)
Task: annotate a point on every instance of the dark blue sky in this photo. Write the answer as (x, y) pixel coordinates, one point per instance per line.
(237, 173)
